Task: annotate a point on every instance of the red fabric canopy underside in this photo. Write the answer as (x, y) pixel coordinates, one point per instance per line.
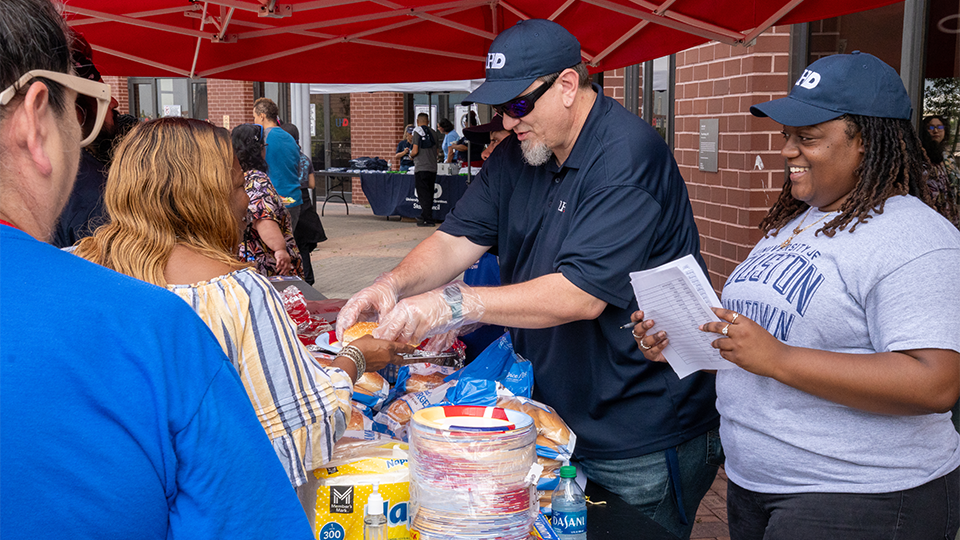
(366, 42)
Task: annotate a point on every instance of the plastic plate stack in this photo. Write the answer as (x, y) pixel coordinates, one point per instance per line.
(469, 473)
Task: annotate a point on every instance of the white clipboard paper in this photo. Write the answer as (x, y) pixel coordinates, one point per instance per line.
(678, 296)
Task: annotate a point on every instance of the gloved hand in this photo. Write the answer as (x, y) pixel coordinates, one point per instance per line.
(369, 304)
(432, 313)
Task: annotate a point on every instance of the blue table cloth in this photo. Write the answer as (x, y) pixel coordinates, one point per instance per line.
(392, 194)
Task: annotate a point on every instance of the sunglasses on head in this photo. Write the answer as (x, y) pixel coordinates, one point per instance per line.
(259, 132)
(94, 92)
(935, 128)
(523, 105)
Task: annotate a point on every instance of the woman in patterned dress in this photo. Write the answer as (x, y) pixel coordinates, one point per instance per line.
(268, 240)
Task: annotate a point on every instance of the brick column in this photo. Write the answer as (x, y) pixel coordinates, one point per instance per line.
(228, 98)
(120, 92)
(376, 123)
(721, 81)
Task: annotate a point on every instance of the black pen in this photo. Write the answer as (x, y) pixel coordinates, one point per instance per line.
(628, 326)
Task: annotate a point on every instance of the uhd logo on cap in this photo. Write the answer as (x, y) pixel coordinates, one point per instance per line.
(809, 79)
(496, 60)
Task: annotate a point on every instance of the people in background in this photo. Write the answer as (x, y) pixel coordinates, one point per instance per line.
(449, 133)
(487, 136)
(464, 151)
(120, 416)
(282, 156)
(404, 147)
(309, 231)
(268, 240)
(426, 143)
(844, 326)
(943, 178)
(84, 210)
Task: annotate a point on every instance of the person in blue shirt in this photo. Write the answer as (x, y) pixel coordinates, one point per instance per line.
(120, 415)
(581, 194)
(450, 135)
(283, 157)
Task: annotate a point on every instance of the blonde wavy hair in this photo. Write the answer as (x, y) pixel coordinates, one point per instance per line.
(170, 183)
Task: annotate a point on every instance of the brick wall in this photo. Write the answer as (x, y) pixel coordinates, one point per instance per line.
(376, 122)
(119, 91)
(720, 81)
(613, 84)
(227, 98)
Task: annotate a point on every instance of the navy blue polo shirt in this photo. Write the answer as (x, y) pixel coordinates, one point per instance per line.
(617, 205)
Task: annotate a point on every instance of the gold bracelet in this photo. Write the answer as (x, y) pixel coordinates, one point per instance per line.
(356, 355)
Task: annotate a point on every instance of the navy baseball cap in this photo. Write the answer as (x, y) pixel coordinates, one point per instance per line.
(857, 83)
(530, 49)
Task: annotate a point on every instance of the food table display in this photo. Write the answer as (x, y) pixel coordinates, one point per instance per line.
(455, 452)
(394, 194)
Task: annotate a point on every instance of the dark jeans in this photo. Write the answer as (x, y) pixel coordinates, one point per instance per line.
(426, 183)
(645, 483)
(927, 512)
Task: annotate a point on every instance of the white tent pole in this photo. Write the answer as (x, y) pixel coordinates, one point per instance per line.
(135, 22)
(781, 13)
(553, 16)
(404, 12)
(196, 50)
(140, 60)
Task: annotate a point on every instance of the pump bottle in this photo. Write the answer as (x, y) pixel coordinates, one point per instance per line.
(374, 522)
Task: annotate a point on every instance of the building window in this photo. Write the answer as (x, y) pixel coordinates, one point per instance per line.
(941, 80)
(659, 80)
(153, 98)
(330, 130)
(877, 31)
(279, 93)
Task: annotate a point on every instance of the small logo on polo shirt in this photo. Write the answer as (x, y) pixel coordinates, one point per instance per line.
(496, 60)
(809, 79)
(562, 207)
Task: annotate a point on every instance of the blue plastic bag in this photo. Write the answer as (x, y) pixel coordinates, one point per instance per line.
(499, 363)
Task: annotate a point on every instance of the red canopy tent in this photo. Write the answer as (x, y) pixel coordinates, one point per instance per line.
(389, 41)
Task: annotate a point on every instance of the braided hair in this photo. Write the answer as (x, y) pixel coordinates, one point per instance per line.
(893, 164)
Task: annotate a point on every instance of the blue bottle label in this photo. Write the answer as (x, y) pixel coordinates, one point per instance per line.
(569, 522)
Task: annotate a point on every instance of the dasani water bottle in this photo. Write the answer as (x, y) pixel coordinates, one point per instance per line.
(569, 506)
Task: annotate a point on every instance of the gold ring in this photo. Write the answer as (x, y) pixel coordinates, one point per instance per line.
(642, 346)
(724, 331)
(735, 315)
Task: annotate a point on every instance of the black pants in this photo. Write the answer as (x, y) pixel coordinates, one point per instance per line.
(425, 182)
(927, 512)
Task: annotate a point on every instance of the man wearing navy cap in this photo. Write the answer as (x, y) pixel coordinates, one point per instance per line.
(582, 193)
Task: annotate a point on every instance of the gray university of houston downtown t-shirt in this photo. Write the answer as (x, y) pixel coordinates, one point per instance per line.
(891, 285)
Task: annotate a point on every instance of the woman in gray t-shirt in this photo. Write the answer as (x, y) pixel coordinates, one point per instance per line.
(844, 325)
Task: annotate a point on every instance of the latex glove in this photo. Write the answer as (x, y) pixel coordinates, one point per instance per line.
(432, 313)
(369, 304)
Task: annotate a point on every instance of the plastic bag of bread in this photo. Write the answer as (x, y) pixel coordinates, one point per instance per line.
(394, 418)
(420, 377)
(361, 422)
(554, 438)
(371, 390)
(549, 479)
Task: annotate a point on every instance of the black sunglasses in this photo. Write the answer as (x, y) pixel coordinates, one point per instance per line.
(523, 105)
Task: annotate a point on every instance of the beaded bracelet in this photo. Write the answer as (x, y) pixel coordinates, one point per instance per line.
(356, 355)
